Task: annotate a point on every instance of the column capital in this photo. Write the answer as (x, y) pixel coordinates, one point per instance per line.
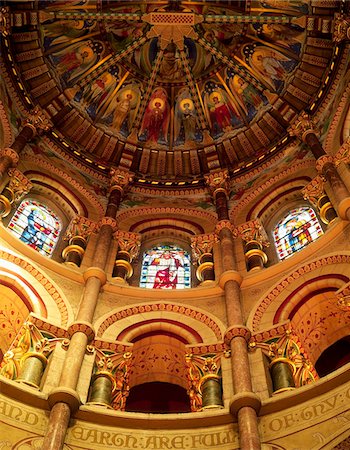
(107, 221)
(343, 154)
(218, 181)
(252, 231)
(128, 242)
(120, 179)
(314, 190)
(80, 226)
(37, 120)
(302, 126)
(237, 331)
(202, 243)
(19, 184)
(341, 28)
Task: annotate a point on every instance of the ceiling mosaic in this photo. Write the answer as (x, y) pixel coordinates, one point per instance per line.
(173, 89)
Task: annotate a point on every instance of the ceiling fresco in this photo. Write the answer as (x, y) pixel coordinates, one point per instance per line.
(173, 89)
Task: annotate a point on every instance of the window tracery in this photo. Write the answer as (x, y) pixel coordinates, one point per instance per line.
(36, 225)
(166, 267)
(296, 230)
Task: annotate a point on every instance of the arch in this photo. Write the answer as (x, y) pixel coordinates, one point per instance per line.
(42, 295)
(198, 322)
(332, 265)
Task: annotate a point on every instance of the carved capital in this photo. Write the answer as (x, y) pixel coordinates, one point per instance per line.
(252, 231)
(314, 190)
(236, 331)
(128, 242)
(38, 120)
(116, 367)
(80, 226)
(218, 181)
(120, 179)
(282, 344)
(341, 28)
(302, 126)
(19, 184)
(201, 244)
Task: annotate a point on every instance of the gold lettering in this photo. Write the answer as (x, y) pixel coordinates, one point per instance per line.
(178, 442)
(276, 424)
(77, 433)
(131, 441)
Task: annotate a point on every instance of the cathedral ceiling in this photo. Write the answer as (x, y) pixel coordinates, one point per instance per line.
(171, 90)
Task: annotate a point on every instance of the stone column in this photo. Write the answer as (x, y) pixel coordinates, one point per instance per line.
(245, 404)
(9, 156)
(64, 400)
(202, 255)
(305, 129)
(255, 240)
(128, 249)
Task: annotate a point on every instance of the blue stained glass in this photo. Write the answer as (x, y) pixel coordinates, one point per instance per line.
(295, 231)
(36, 225)
(166, 267)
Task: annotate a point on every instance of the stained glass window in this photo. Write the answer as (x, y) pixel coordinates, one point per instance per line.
(166, 267)
(36, 225)
(295, 231)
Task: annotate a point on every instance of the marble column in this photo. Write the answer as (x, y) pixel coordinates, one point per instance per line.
(64, 400)
(305, 129)
(245, 404)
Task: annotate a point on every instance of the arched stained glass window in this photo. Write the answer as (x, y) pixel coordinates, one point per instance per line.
(36, 225)
(166, 267)
(295, 231)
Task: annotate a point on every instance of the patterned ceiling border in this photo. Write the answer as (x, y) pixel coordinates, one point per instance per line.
(8, 136)
(137, 212)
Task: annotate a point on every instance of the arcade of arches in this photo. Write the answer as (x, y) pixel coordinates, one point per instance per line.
(174, 233)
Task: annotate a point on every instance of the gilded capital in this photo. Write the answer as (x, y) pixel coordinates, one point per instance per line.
(202, 243)
(252, 231)
(80, 226)
(218, 181)
(341, 28)
(128, 242)
(19, 184)
(38, 120)
(120, 179)
(314, 190)
(302, 126)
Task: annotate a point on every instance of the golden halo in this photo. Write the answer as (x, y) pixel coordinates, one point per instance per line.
(186, 101)
(213, 95)
(157, 100)
(128, 92)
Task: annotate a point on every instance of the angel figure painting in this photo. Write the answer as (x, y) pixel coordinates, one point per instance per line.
(272, 65)
(155, 123)
(125, 108)
(75, 59)
(186, 127)
(247, 96)
(222, 114)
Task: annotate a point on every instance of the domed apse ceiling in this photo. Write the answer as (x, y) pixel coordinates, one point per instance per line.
(172, 90)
